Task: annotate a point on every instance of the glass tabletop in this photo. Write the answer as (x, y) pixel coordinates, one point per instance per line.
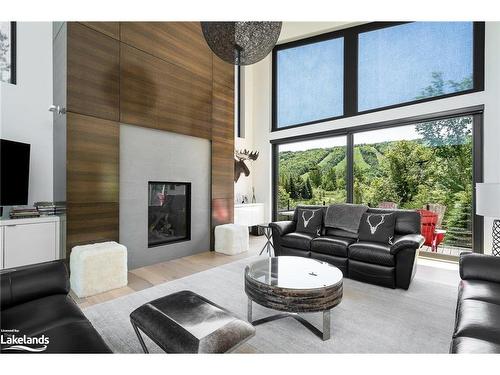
(294, 272)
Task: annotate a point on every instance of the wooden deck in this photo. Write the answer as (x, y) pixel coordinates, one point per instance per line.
(446, 250)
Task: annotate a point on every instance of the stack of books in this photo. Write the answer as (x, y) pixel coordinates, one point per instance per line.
(60, 208)
(50, 208)
(23, 212)
(45, 208)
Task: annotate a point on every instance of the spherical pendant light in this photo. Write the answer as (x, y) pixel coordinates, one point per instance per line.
(241, 43)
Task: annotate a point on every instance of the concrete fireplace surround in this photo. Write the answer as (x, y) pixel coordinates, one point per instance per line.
(155, 155)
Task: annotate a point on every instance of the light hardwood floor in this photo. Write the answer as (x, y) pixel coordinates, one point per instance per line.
(148, 276)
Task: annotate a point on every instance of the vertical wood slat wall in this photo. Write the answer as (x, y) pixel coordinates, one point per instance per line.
(159, 75)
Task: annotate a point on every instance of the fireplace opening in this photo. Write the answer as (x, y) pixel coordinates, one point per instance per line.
(169, 212)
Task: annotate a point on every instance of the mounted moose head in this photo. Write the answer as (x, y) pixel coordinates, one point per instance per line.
(239, 162)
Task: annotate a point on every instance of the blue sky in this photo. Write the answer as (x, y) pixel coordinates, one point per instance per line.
(310, 82)
(396, 64)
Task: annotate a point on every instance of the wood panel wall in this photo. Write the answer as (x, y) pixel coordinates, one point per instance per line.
(160, 75)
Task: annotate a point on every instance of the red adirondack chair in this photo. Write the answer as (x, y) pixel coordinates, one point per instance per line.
(433, 237)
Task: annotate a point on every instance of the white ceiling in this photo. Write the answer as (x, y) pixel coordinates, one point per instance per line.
(297, 30)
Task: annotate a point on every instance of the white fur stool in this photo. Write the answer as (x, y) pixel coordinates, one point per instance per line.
(231, 239)
(97, 268)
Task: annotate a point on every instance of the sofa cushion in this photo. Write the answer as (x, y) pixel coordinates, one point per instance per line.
(340, 233)
(372, 252)
(478, 319)
(471, 345)
(406, 221)
(309, 221)
(297, 240)
(292, 252)
(372, 273)
(479, 290)
(41, 314)
(331, 245)
(307, 207)
(375, 227)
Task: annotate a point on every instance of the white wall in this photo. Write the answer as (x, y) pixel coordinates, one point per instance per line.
(300, 30)
(490, 97)
(24, 106)
(245, 184)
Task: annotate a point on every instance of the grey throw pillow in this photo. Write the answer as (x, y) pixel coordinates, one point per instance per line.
(377, 228)
(309, 220)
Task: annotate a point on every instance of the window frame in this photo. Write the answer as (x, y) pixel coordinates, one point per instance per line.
(350, 36)
(13, 53)
(240, 130)
(477, 163)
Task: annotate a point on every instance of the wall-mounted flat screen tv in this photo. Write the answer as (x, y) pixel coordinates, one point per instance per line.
(14, 173)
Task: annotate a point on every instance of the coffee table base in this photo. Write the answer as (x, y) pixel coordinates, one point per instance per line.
(324, 334)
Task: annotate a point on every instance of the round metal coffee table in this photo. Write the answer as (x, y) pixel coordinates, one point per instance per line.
(294, 285)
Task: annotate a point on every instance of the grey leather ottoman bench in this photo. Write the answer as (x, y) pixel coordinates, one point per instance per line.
(185, 322)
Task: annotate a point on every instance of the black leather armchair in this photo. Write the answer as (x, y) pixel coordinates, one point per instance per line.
(392, 265)
(477, 319)
(35, 302)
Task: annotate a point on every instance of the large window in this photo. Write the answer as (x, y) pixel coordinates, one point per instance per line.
(414, 61)
(426, 166)
(373, 67)
(425, 163)
(310, 82)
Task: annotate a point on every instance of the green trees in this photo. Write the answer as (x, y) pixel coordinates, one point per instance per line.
(329, 180)
(298, 189)
(315, 175)
(283, 198)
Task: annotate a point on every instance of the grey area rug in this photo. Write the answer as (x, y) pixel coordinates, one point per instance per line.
(370, 319)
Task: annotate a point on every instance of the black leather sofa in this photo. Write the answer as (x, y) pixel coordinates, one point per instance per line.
(35, 302)
(477, 321)
(388, 265)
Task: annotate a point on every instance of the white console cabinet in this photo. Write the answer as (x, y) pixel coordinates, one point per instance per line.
(28, 241)
(249, 214)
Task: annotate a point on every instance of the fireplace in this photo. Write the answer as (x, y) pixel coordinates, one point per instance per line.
(169, 212)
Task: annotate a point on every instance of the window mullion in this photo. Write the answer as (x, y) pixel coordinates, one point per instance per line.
(350, 73)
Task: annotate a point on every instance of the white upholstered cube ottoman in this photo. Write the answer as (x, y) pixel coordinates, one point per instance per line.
(231, 239)
(97, 268)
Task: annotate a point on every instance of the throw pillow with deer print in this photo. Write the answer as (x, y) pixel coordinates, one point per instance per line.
(377, 227)
(309, 221)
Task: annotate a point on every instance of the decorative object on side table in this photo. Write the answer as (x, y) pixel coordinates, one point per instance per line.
(241, 43)
(488, 205)
(294, 285)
